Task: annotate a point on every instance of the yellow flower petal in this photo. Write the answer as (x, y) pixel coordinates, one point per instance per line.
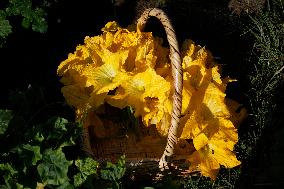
(75, 95)
(83, 99)
(209, 158)
(80, 58)
(111, 27)
(207, 171)
(105, 78)
(200, 141)
(145, 92)
(222, 154)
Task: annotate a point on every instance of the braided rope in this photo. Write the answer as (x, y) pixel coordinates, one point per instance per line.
(177, 78)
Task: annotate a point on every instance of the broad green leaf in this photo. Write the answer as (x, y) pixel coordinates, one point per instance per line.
(30, 154)
(114, 172)
(31, 16)
(53, 170)
(39, 23)
(58, 125)
(20, 186)
(17, 7)
(8, 173)
(66, 185)
(7, 168)
(2, 14)
(26, 22)
(5, 118)
(38, 137)
(79, 179)
(87, 167)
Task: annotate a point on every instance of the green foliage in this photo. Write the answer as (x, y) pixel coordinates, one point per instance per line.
(114, 172)
(30, 155)
(88, 169)
(58, 125)
(46, 153)
(266, 75)
(267, 30)
(8, 173)
(53, 170)
(5, 27)
(32, 16)
(5, 118)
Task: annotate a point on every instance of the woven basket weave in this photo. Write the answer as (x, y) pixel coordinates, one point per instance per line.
(144, 148)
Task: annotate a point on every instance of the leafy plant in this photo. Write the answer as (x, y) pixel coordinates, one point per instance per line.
(88, 170)
(5, 118)
(33, 154)
(114, 172)
(265, 78)
(266, 75)
(53, 170)
(5, 27)
(45, 153)
(33, 17)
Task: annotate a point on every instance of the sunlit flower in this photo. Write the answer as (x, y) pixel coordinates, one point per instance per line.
(146, 93)
(210, 154)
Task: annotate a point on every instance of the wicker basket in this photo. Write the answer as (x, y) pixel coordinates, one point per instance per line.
(146, 151)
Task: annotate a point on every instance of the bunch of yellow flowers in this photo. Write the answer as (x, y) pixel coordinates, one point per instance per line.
(127, 68)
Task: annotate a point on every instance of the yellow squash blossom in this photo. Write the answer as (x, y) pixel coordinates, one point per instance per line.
(210, 154)
(105, 78)
(146, 93)
(104, 62)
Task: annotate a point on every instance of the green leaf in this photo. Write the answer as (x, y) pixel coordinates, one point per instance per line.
(39, 23)
(26, 23)
(17, 7)
(87, 167)
(53, 170)
(5, 118)
(66, 185)
(57, 135)
(114, 172)
(31, 17)
(79, 179)
(38, 137)
(58, 125)
(8, 173)
(2, 14)
(7, 168)
(29, 154)
(20, 186)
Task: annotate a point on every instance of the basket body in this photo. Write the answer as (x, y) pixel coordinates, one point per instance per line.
(110, 138)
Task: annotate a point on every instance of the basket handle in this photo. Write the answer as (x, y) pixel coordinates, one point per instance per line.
(177, 78)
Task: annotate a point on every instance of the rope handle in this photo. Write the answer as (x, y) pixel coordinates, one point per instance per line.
(177, 78)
